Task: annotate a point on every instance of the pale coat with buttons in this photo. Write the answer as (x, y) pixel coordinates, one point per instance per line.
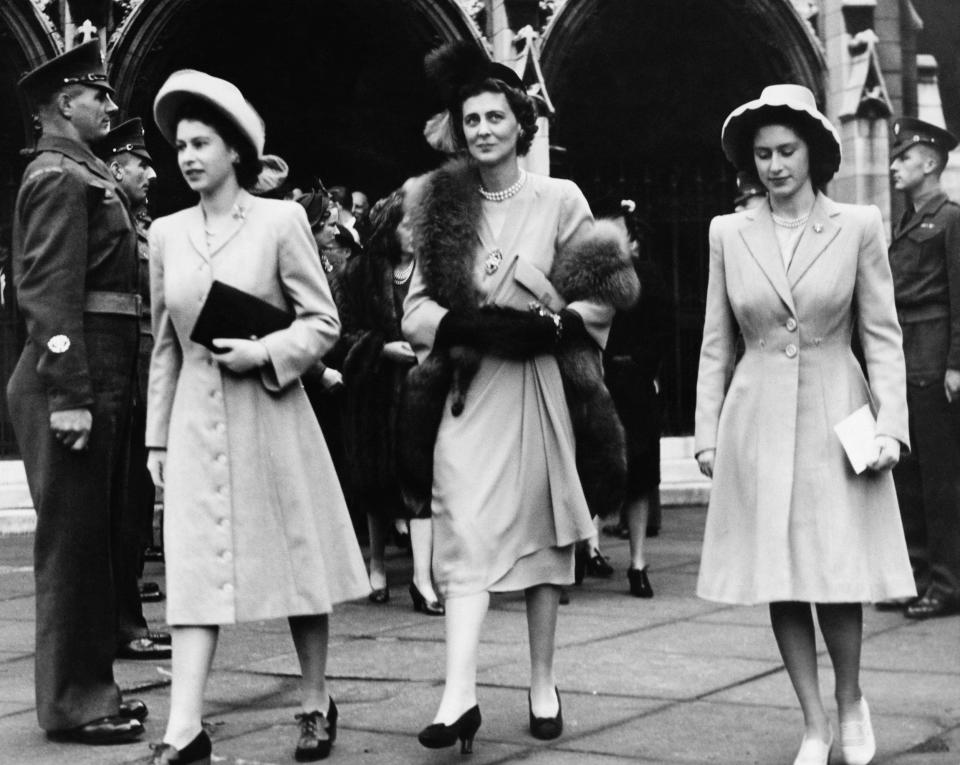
(788, 518)
(255, 524)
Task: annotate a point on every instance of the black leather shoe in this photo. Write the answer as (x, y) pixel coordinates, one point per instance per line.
(895, 605)
(104, 730)
(318, 731)
(639, 583)
(599, 566)
(546, 728)
(379, 596)
(133, 709)
(150, 592)
(933, 603)
(421, 604)
(197, 752)
(143, 649)
(465, 727)
(153, 554)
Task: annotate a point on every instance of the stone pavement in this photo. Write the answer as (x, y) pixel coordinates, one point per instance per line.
(670, 680)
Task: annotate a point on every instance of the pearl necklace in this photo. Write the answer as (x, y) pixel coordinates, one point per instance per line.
(510, 191)
(787, 222)
(402, 273)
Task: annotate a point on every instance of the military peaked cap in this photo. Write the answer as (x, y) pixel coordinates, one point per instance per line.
(908, 131)
(127, 136)
(82, 65)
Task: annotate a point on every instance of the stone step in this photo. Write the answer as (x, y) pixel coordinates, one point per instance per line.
(681, 483)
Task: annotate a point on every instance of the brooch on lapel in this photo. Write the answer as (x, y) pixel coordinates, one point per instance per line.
(492, 263)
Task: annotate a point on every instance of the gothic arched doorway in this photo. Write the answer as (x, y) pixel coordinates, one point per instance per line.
(641, 91)
(339, 83)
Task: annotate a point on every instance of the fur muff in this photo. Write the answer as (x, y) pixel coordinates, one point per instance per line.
(595, 266)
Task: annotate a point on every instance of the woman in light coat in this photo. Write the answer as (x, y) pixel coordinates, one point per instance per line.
(789, 522)
(255, 525)
(508, 504)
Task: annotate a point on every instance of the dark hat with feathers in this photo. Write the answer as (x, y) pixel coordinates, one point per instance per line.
(450, 68)
(455, 65)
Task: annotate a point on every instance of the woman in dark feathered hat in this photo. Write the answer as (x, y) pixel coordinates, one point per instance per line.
(509, 305)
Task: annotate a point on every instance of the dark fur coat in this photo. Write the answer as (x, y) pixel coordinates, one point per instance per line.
(372, 384)
(595, 267)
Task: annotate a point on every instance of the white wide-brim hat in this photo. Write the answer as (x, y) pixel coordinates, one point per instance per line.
(221, 94)
(776, 99)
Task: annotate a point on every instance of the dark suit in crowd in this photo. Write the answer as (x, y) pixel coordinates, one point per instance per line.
(925, 260)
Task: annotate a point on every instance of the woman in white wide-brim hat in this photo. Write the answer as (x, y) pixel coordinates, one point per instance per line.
(790, 523)
(255, 525)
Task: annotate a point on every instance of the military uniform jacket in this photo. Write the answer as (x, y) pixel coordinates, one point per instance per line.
(925, 261)
(72, 234)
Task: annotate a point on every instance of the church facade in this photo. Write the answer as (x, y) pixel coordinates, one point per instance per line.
(634, 94)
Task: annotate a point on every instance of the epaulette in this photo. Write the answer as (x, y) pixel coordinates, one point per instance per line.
(44, 170)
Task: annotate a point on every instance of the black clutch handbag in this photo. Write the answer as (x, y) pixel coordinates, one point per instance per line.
(229, 312)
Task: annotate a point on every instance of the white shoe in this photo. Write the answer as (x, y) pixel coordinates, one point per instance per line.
(856, 738)
(813, 751)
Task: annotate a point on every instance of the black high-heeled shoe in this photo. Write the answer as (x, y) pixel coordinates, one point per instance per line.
(546, 728)
(379, 596)
(421, 604)
(639, 583)
(197, 752)
(438, 735)
(318, 731)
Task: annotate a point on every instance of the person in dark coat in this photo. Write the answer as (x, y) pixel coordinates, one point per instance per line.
(373, 287)
(639, 339)
(75, 272)
(925, 260)
(125, 152)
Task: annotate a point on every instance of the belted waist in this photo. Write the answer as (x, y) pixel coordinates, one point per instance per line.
(119, 303)
(928, 312)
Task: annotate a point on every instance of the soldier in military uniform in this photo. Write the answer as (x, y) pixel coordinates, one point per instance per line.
(75, 273)
(125, 153)
(925, 260)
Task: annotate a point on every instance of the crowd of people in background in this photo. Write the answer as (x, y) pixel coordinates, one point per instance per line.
(293, 370)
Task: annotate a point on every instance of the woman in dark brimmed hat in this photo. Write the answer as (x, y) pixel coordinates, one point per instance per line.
(255, 524)
(789, 522)
(490, 329)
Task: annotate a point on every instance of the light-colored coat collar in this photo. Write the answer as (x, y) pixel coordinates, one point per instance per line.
(759, 235)
(195, 226)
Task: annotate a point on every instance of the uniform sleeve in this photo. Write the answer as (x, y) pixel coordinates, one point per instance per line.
(50, 278)
(718, 350)
(879, 332)
(167, 356)
(952, 255)
(575, 218)
(316, 327)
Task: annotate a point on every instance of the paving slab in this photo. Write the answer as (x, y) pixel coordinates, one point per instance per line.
(672, 680)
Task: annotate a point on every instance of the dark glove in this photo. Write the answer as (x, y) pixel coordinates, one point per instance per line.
(572, 328)
(503, 332)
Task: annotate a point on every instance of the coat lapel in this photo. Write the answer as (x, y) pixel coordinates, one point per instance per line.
(197, 236)
(758, 234)
(930, 207)
(821, 229)
(195, 232)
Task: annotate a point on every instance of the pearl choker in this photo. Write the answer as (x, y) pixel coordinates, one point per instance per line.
(795, 223)
(510, 191)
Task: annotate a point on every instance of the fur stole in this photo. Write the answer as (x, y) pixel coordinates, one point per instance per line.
(596, 266)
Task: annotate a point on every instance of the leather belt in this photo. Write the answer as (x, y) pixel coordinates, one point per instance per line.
(120, 303)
